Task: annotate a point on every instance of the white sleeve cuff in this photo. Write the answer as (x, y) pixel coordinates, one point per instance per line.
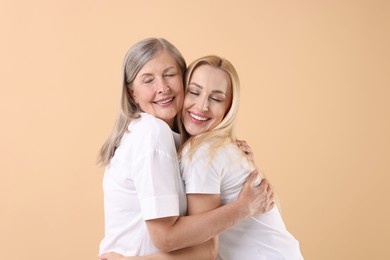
(160, 207)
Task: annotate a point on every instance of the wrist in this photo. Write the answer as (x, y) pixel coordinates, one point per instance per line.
(242, 208)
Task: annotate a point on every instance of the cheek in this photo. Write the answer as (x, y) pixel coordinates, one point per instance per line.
(185, 105)
(134, 95)
(221, 113)
(188, 102)
(138, 92)
(188, 99)
(180, 95)
(177, 84)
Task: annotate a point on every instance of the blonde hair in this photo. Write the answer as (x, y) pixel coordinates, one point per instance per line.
(136, 57)
(224, 132)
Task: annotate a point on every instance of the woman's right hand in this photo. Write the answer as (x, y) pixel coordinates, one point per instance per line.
(258, 197)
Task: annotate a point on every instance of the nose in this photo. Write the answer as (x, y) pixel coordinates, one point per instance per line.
(162, 86)
(202, 103)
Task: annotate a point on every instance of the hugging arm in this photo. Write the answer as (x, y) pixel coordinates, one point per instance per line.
(195, 236)
(197, 203)
(174, 233)
(204, 251)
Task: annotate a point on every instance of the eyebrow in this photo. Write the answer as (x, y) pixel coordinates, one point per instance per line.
(146, 74)
(151, 74)
(169, 68)
(213, 92)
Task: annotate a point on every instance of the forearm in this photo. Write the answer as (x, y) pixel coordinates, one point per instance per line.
(173, 233)
(204, 251)
(192, 230)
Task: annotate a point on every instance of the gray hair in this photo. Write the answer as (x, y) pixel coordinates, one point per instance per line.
(135, 59)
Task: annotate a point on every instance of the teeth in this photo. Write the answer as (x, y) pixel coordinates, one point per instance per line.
(199, 117)
(164, 101)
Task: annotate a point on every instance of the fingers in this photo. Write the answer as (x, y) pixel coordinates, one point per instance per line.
(254, 178)
(272, 205)
(238, 142)
(103, 256)
(270, 194)
(264, 185)
(243, 146)
(241, 143)
(259, 199)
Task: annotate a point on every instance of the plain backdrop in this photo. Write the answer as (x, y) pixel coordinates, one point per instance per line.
(315, 109)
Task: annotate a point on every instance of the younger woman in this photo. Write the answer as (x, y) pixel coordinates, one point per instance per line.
(214, 169)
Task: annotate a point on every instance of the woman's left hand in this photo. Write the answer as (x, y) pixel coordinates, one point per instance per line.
(243, 145)
(116, 256)
(111, 256)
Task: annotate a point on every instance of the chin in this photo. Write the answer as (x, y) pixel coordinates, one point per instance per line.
(168, 116)
(193, 132)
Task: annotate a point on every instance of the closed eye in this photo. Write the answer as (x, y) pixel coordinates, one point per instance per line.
(216, 99)
(148, 80)
(170, 75)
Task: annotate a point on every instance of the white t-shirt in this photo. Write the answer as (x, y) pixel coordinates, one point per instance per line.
(261, 237)
(141, 182)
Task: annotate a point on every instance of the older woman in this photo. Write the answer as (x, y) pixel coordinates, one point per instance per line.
(144, 196)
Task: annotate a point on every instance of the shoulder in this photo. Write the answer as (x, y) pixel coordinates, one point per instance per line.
(200, 152)
(148, 133)
(217, 152)
(203, 156)
(229, 150)
(148, 125)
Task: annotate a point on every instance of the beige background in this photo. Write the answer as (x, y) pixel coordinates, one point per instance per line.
(315, 108)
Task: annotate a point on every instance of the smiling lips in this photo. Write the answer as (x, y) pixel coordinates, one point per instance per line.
(197, 118)
(164, 101)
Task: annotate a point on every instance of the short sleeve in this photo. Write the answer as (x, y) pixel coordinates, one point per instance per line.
(199, 174)
(156, 173)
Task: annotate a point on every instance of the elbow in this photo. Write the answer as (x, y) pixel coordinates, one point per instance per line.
(210, 249)
(165, 244)
(162, 234)
(214, 246)
(164, 248)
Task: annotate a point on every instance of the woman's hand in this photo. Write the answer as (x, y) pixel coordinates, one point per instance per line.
(243, 145)
(115, 256)
(111, 256)
(258, 197)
